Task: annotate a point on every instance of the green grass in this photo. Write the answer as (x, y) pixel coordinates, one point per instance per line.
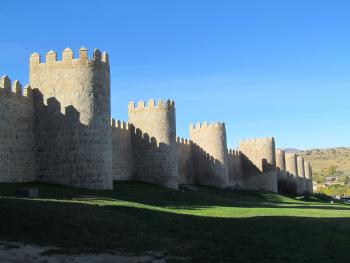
(206, 226)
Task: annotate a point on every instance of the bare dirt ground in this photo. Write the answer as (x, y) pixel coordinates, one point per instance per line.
(21, 253)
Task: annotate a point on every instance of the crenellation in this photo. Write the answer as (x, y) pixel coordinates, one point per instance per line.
(5, 83)
(83, 53)
(17, 88)
(68, 59)
(67, 54)
(151, 104)
(105, 58)
(35, 58)
(28, 91)
(97, 55)
(84, 147)
(51, 57)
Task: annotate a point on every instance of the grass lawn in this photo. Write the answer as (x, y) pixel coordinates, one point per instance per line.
(207, 225)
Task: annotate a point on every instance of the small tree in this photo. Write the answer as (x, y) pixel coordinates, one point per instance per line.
(331, 170)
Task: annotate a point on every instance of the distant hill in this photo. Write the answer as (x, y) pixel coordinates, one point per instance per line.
(290, 150)
(323, 159)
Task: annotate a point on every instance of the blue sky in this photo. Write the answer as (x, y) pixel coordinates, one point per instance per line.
(266, 68)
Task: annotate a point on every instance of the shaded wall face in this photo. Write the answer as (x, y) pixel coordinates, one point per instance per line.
(185, 163)
(280, 160)
(291, 164)
(210, 155)
(301, 168)
(235, 169)
(83, 85)
(261, 153)
(17, 149)
(154, 145)
(122, 153)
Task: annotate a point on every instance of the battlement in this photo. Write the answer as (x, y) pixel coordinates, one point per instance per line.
(68, 57)
(206, 125)
(161, 104)
(183, 141)
(258, 140)
(14, 89)
(234, 152)
(117, 124)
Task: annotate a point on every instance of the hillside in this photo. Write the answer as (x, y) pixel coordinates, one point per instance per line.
(207, 225)
(323, 159)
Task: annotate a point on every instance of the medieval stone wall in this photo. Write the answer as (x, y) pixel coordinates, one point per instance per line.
(83, 86)
(155, 151)
(210, 160)
(259, 158)
(235, 169)
(301, 175)
(280, 161)
(291, 164)
(60, 132)
(17, 148)
(122, 151)
(308, 177)
(185, 161)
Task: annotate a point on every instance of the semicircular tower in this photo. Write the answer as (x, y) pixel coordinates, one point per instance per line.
(154, 142)
(80, 154)
(210, 154)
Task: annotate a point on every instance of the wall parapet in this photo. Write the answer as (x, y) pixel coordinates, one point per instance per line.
(68, 56)
(151, 104)
(14, 88)
(118, 124)
(205, 124)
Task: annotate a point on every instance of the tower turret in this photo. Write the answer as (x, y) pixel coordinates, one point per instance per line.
(154, 142)
(211, 160)
(77, 154)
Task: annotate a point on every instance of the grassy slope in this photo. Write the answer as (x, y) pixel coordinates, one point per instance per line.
(207, 226)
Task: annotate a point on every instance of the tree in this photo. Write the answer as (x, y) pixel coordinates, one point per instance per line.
(331, 170)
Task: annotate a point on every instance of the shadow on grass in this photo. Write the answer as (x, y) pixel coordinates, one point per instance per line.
(149, 194)
(76, 227)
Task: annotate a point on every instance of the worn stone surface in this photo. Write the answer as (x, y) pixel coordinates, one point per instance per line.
(185, 161)
(154, 142)
(280, 161)
(123, 164)
(59, 131)
(235, 169)
(72, 119)
(301, 175)
(308, 177)
(259, 159)
(210, 154)
(17, 149)
(291, 164)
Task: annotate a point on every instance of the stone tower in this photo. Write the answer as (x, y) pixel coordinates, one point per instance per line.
(280, 161)
(308, 177)
(72, 107)
(154, 142)
(261, 152)
(259, 164)
(291, 164)
(301, 174)
(210, 154)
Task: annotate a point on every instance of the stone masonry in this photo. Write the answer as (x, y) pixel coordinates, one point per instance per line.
(259, 164)
(59, 130)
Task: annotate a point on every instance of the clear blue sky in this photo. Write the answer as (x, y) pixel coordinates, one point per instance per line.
(266, 68)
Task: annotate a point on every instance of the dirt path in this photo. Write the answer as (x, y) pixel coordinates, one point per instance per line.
(21, 253)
